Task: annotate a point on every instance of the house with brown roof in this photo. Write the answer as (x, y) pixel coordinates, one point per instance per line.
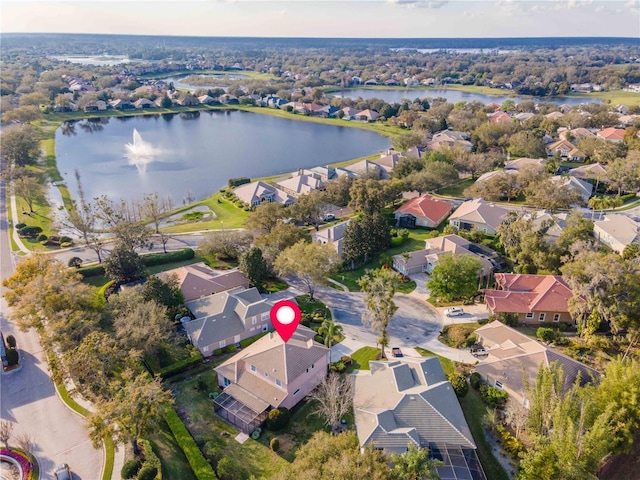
(513, 360)
(500, 117)
(426, 260)
(269, 373)
(226, 318)
(611, 134)
(424, 211)
(554, 115)
(332, 235)
(479, 214)
(143, 103)
(367, 115)
(450, 139)
(410, 401)
(301, 183)
(535, 299)
(255, 193)
(519, 164)
(577, 133)
(617, 231)
(199, 280)
(565, 149)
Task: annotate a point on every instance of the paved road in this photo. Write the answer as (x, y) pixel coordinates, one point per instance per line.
(28, 398)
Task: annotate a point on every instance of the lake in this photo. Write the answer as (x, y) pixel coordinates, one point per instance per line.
(453, 96)
(97, 60)
(189, 156)
(178, 83)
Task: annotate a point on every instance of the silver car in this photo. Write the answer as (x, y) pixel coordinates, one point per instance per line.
(454, 312)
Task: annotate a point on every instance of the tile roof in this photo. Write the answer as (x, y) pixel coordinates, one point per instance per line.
(528, 293)
(408, 400)
(611, 133)
(426, 206)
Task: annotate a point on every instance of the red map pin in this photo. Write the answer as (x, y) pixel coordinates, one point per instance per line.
(285, 316)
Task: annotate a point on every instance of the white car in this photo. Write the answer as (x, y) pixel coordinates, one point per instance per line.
(454, 312)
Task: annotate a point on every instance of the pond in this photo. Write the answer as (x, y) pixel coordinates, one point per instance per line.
(191, 155)
(179, 83)
(97, 60)
(453, 96)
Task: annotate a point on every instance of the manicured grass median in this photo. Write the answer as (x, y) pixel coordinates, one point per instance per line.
(360, 358)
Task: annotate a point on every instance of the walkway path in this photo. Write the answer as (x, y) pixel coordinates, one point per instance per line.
(338, 284)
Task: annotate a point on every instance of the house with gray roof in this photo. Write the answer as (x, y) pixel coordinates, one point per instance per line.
(199, 280)
(226, 318)
(255, 193)
(479, 214)
(332, 235)
(617, 231)
(270, 373)
(513, 359)
(408, 401)
(301, 183)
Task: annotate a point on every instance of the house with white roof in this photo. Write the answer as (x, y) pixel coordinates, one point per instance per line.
(255, 193)
(617, 231)
(301, 183)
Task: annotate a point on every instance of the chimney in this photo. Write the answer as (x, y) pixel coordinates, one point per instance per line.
(310, 343)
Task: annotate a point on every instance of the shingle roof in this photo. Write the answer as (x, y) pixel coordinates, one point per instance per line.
(426, 206)
(620, 227)
(198, 280)
(408, 400)
(479, 211)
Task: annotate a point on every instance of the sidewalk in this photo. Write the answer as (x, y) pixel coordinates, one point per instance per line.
(461, 356)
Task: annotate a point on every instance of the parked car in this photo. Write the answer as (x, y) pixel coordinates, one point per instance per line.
(454, 312)
(329, 217)
(396, 352)
(62, 472)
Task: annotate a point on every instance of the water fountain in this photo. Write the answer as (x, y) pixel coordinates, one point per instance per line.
(140, 153)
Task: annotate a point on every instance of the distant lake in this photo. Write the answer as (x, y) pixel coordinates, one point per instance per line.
(453, 96)
(194, 154)
(98, 60)
(178, 83)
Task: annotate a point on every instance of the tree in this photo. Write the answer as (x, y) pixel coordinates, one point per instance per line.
(527, 144)
(165, 291)
(312, 263)
(254, 267)
(226, 244)
(6, 430)
(365, 238)
(337, 190)
(153, 209)
(516, 415)
(123, 265)
(367, 196)
(310, 208)
(281, 237)
(329, 329)
(405, 141)
(20, 145)
(380, 286)
(442, 173)
(24, 184)
(406, 166)
(550, 195)
(623, 174)
(455, 277)
(140, 325)
(334, 398)
(229, 469)
(265, 217)
(414, 464)
(500, 186)
(135, 407)
(473, 163)
(123, 220)
(631, 251)
(81, 219)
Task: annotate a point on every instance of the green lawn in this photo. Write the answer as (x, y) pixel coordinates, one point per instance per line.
(174, 463)
(456, 190)
(447, 365)
(228, 216)
(360, 358)
(206, 426)
(310, 308)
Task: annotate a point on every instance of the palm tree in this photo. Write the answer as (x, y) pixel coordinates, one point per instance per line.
(329, 329)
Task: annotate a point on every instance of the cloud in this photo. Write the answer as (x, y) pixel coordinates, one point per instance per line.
(420, 3)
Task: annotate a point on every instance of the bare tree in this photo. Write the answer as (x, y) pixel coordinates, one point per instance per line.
(6, 430)
(24, 184)
(334, 397)
(123, 220)
(516, 415)
(26, 442)
(153, 209)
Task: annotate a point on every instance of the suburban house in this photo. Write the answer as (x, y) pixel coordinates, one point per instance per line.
(565, 149)
(611, 134)
(142, 103)
(410, 401)
(523, 163)
(593, 171)
(583, 187)
(513, 357)
(426, 260)
(349, 113)
(120, 104)
(363, 167)
(450, 139)
(524, 116)
(478, 214)
(497, 173)
(553, 222)
(577, 133)
(388, 162)
(301, 183)
(366, 115)
(617, 231)
(207, 100)
(500, 117)
(332, 235)
(269, 373)
(424, 211)
(199, 280)
(255, 193)
(226, 318)
(535, 299)
(554, 115)
(96, 106)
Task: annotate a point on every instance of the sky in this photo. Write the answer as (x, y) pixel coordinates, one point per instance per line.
(327, 18)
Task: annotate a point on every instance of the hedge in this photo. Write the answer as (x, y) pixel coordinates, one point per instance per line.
(148, 260)
(93, 271)
(236, 182)
(180, 366)
(198, 463)
(151, 460)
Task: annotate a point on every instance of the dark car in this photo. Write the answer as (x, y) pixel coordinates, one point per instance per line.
(62, 472)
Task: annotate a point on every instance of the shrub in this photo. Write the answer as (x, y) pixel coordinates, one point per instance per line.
(483, 321)
(228, 469)
(274, 444)
(547, 335)
(42, 238)
(510, 443)
(11, 341)
(338, 366)
(66, 244)
(93, 271)
(278, 418)
(150, 457)
(201, 385)
(217, 351)
(182, 365)
(236, 182)
(459, 384)
(30, 232)
(74, 262)
(475, 380)
(148, 473)
(509, 319)
(458, 335)
(492, 396)
(162, 258)
(130, 468)
(20, 226)
(12, 356)
(230, 349)
(64, 239)
(198, 463)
